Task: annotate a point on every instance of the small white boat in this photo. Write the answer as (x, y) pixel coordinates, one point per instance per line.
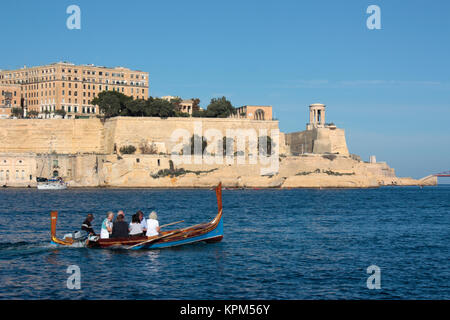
(52, 184)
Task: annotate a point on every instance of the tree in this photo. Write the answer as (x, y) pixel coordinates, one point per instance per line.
(135, 108)
(176, 104)
(199, 113)
(195, 104)
(159, 108)
(220, 108)
(17, 112)
(112, 103)
(128, 149)
(60, 112)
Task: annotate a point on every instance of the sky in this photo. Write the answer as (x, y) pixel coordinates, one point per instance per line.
(389, 88)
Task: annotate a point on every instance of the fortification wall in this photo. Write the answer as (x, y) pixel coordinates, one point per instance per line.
(91, 170)
(317, 140)
(123, 131)
(74, 136)
(51, 136)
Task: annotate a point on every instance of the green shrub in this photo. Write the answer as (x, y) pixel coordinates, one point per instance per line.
(128, 149)
(330, 157)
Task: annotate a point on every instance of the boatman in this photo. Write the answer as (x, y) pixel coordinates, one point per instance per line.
(86, 226)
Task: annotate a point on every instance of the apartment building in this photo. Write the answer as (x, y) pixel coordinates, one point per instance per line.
(10, 97)
(69, 87)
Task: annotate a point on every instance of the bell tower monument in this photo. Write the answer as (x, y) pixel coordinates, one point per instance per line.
(316, 116)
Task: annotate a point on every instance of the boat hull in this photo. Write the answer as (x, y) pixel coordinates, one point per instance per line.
(206, 232)
(210, 232)
(52, 186)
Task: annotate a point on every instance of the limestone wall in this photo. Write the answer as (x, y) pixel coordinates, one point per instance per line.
(91, 170)
(17, 170)
(51, 136)
(82, 152)
(124, 131)
(75, 136)
(317, 140)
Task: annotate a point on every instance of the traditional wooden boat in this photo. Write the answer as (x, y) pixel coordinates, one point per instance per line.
(208, 232)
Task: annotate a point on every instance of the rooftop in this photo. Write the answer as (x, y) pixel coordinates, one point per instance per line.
(65, 63)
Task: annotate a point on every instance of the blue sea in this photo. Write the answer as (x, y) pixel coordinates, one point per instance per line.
(278, 244)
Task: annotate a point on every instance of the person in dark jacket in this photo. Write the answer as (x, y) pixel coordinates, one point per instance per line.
(86, 226)
(120, 228)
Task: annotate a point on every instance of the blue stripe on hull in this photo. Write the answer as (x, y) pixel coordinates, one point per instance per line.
(217, 232)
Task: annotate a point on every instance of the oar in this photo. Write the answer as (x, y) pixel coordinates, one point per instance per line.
(153, 240)
(171, 224)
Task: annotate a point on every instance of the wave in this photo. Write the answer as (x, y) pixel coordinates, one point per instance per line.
(8, 249)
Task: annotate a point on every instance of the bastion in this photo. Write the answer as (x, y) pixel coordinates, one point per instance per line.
(87, 153)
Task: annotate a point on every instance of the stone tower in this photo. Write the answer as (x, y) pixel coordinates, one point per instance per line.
(316, 116)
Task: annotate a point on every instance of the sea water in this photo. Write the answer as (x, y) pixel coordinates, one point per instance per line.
(278, 244)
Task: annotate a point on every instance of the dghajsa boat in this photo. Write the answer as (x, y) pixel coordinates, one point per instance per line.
(208, 232)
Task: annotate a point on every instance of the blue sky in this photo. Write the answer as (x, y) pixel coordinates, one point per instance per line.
(389, 88)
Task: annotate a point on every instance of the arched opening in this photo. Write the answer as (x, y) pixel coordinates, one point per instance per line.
(55, 174)
(259, 114)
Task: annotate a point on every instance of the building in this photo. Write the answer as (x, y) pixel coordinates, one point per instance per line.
(10, 97)
(319, 137)
(170, 98)
(316, 116)
(186, 106)
(254, 113)
(69, 87)
(17, 169)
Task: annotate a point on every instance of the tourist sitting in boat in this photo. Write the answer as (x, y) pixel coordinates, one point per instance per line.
(135, 226)
(120, 227)
(152, 225)
(120, 213)
(107, 226)
(86, 226)
(142, 220)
